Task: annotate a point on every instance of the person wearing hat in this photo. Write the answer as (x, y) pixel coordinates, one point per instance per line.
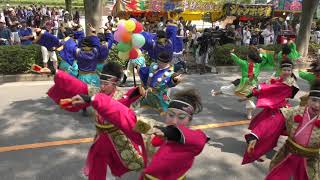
(25, 33)
(156, 79)
(298, 158)
(114, 121)
(178, 144)
(5, 34)
(156, 44)
(106, 42)
(78, 32)
(310, 75)
(86, 53)
(271, 97)
(289, 50)
(250, 71)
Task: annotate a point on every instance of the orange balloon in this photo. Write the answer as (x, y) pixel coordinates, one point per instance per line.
(126, 37)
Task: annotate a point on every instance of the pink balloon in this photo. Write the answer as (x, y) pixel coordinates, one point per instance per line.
(117, 36)
(121, 27)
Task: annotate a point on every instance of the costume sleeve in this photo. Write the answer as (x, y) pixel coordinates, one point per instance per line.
(273, 95)
(144, 74)
(48, 40)
(148, 46)
(67, 86)
(195, 139)
(130, 97)
(116, 113)
(68, 51)
(294, 54)
(308, 76)
(236, 59)
(268, 62)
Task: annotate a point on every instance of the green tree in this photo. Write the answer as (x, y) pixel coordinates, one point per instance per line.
(309, 8)
(68, 5)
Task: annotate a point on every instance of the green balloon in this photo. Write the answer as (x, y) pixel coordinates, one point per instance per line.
(138, 40)
(124, 47)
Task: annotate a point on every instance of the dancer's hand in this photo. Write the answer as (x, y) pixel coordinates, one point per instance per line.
(251, 146)
(142, 91)
(157, 132)
(177, 78)
(45, 71)
(243, 99)
(77, 100)
(213, 93)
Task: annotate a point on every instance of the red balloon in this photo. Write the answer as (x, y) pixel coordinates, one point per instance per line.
(139, 28)
(133, 54)
(126, 37)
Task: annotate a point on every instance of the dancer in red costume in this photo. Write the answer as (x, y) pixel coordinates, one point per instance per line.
(266, 126)
(298, 159)
(178, 144)
(116, 145)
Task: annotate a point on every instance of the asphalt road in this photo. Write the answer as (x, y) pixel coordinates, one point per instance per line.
(28, 116)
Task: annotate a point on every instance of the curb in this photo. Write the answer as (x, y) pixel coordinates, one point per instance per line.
(24, 77)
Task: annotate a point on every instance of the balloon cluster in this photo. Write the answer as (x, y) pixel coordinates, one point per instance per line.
(129, 39)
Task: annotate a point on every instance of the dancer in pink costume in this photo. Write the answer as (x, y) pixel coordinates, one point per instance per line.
(266, 126)
(298, 159)
(116, 145)
(178, 144)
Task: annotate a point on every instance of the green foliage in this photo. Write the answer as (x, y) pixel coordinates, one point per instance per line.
(18, 59)
(222, 53)
(313, 49)
(42, 2)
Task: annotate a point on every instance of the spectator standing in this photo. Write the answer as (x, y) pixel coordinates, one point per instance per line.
(76, 18)
(276, 29)
(246, 36)
(268, 35)
(25, 33)
(29, 17)
(5, 34)
(317, 35)
(230, 35)
(238, 36)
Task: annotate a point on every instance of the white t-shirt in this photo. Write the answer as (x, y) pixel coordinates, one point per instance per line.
(246, 36)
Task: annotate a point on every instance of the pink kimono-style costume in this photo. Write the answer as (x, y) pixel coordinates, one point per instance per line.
(173, 159)
(116, 144)
(267, 126)
(299, 157)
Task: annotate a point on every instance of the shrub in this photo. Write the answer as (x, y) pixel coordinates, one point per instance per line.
(222, 53)
(18, 59)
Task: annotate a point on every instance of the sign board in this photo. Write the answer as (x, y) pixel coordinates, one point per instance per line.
(248, 10)
(288, 5)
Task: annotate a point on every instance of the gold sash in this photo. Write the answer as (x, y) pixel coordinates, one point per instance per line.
(295, 148)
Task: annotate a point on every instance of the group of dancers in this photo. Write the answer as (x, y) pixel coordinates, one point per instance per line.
(121, 141)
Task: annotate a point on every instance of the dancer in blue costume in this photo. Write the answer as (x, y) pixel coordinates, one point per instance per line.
(156, 80)
(86, 55)
(68, 63)
(106, 41)
(177, 42)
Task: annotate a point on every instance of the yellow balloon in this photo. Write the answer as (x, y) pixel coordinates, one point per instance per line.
(123, 55)
(130, 25)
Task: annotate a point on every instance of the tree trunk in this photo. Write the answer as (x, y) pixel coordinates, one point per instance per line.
(68, 5)
(93, 13)
(309, 7)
